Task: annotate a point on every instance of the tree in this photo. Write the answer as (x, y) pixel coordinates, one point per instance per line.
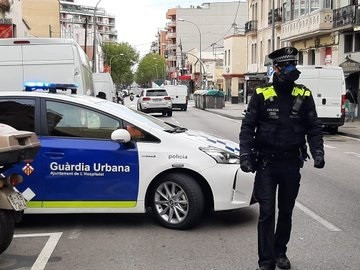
(151, 67)
(120, 57)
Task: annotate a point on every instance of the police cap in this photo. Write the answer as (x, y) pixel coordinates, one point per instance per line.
(284, 55)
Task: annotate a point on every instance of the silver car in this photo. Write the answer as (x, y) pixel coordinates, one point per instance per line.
(155, 100)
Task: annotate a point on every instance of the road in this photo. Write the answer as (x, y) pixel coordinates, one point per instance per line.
(326, 224)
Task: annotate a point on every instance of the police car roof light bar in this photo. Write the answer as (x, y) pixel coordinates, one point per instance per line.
(51, 87)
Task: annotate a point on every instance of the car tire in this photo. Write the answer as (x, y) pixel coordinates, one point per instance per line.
(169, 113)
(7, 224)
(185, 108)
(177, 201)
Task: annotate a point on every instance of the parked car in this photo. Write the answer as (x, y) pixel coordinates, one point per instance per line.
(98, 156)
(155, 100)
(179, 95)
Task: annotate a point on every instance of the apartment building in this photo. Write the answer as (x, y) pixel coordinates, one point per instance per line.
(12, 22)
(77, 22)
(200, 28)
(234, 70)
(43, 17)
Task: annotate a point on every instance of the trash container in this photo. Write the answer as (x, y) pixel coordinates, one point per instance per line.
(215, 99)
(202, 99)
(196, 98)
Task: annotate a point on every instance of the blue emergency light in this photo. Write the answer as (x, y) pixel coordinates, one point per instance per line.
(51, 87)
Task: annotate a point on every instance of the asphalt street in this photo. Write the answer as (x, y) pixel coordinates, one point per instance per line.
(326, 224)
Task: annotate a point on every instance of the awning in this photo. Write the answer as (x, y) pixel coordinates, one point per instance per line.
(185, 77)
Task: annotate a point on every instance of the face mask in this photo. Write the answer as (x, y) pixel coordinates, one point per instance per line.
(289, 73)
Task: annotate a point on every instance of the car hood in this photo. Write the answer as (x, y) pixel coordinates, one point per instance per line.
(206, 139)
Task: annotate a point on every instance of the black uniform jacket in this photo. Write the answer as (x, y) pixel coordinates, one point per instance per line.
(274, 124)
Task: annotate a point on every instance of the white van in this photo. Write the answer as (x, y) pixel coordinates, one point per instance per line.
(179, 95)
(50, 60)
(104, 83)
(327, 84)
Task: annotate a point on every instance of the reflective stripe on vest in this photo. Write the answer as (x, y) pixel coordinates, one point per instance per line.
(268, 92)
(300, 92)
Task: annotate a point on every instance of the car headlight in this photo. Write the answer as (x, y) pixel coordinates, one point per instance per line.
(221, 156)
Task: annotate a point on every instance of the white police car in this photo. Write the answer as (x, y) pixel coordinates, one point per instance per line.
(97, 156)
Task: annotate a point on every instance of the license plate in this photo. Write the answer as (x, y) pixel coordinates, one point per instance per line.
(157, 99)
(17, 201)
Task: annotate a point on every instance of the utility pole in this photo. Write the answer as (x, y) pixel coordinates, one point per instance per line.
(86, 33)
(273, 25)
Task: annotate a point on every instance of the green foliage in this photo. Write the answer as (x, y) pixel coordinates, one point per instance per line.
(151, 67)
(121, 57)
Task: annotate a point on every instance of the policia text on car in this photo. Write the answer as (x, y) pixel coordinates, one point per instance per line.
(272, 143)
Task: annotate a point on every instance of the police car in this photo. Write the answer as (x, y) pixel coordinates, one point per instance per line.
(97, 156)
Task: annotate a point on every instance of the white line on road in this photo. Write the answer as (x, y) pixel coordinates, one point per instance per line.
(319, 219)
(177, 122)
(356, 139)
(353, 154)
(227, 118)
(48, 249)
(329, 146)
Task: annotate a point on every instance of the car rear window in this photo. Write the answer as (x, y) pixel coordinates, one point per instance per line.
(156, 93)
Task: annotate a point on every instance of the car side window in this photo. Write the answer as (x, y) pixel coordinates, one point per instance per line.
(73, 121)
(137, 134)
(18, 113)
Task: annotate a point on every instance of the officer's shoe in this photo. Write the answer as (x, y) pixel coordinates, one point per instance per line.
(265, 268)
(283, 262)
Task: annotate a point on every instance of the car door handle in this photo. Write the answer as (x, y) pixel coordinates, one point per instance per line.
(54, 155)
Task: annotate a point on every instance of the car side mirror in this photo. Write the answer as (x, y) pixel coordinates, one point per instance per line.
(121, 136)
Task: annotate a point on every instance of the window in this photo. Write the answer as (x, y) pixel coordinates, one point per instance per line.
(225, 57)
(357, 42)
(156, 93)
(348, 43)
(269, 46)
(314, 5)
(301, 58)
(311, 57)
(18, 113)
(229, 58)
(261, 52)
(74, 121)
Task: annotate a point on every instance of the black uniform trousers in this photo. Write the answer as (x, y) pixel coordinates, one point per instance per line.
(283, 173)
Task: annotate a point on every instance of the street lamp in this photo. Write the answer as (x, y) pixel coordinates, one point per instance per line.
(183, 20)
(94, 41)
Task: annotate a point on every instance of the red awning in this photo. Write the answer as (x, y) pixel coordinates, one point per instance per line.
(185, 77)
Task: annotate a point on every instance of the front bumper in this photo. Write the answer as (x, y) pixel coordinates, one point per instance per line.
(232, 188)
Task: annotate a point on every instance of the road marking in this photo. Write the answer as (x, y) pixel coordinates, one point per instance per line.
(319, 219)
(356, 139)
(48, 249)
(227, 118)
(329, 146)
(177, 122)
(353, 154)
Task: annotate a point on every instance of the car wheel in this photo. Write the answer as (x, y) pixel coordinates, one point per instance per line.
(169, 113)
(7, 224)
(177, 201)
(185, 108)
(163, 113)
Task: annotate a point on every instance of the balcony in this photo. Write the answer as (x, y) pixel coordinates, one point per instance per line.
(346, 17)
(170, 35)
(321, 21)
(251, 27)
(171, 24)
(171, 46)
(277, 16)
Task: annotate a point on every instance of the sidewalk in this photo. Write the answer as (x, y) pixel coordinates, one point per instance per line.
(235, 111)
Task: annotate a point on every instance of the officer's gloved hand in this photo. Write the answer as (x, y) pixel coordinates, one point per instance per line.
(319, 161)
(246, 164)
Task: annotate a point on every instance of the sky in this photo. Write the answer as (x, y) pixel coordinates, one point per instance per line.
(138, 21)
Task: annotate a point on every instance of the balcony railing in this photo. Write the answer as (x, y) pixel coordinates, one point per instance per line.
(346, 16)
(307, 26)
(277, 16)
(171, 35)
(251, 26)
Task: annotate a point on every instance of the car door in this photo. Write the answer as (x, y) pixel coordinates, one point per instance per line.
(22, 113)
(84, 168)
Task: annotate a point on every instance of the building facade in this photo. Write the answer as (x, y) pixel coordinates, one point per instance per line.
(77, 22)
(12, 23)
(234, 70)
(43, 17)
(200, 28)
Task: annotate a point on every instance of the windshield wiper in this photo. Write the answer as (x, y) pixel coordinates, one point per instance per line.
(176, 129)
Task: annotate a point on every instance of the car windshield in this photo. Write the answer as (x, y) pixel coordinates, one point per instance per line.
(156, 93)
(146, 119)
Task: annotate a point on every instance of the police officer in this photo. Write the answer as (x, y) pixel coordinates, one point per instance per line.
(272, 143)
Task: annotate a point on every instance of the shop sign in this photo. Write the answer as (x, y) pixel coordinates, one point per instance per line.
(350, 66)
